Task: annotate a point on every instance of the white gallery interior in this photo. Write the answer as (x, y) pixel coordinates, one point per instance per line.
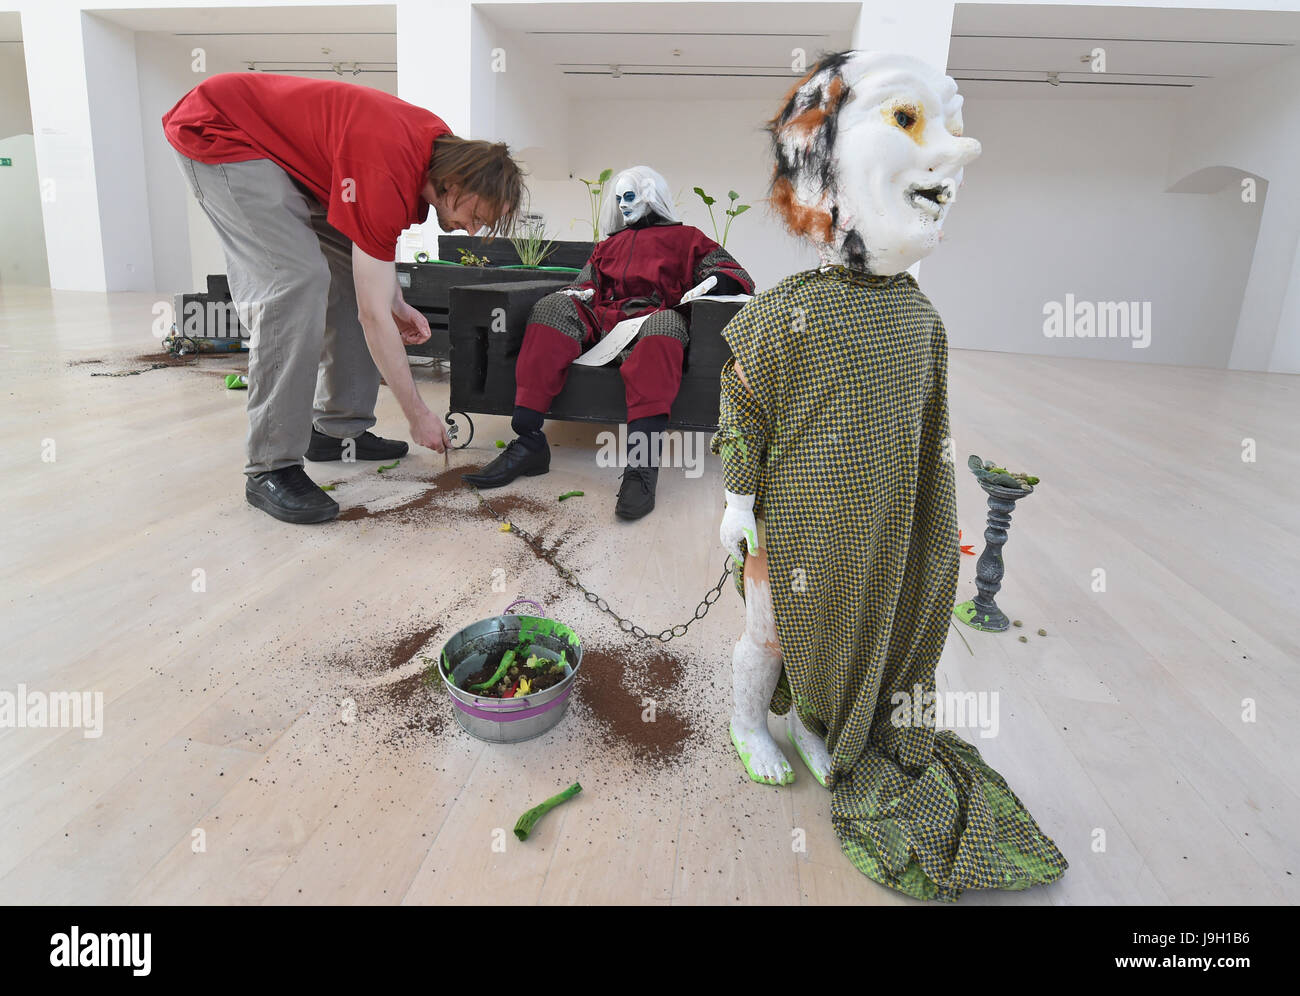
(264, 682)
(1150, 182)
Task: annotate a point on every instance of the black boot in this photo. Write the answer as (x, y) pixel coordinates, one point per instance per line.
(520, 459)
(290, 495)
(367, 446)
(636, 495)
(529, 455)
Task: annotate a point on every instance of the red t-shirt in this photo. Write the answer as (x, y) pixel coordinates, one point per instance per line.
(362, 152)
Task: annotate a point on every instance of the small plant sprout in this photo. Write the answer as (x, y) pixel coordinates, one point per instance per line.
(530, 242)
(731, 213)
(468, 258)
(594, 190)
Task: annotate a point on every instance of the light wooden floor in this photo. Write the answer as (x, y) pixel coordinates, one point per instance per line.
(1121, 730)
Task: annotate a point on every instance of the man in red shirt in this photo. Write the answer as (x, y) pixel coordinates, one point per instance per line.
(309, 183)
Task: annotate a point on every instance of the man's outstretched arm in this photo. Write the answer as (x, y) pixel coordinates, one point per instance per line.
(389, 322)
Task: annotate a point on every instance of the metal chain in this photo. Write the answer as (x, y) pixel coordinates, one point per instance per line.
(626, 625)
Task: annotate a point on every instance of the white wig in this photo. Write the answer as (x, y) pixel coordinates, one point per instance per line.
(652, 187)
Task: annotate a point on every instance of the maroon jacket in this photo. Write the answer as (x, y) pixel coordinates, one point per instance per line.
(639, 270)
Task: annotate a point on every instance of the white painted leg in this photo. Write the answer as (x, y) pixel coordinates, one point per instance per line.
(811, 748)
(755, 670)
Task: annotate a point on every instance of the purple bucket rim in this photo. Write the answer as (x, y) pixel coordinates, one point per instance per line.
(510, 715)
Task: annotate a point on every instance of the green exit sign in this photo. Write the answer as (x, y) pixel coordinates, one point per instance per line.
(6, 161)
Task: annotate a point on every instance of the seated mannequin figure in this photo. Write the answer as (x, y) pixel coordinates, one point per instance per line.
(841, 494)
(649, 264)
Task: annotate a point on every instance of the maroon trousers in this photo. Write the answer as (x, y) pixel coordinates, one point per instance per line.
(651, 374)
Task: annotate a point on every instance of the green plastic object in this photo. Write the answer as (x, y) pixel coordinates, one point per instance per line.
(550, 269)
(524, 825)
(507, 659)
(236, 382)
(389, 466)
(572, 494)
(973, 617)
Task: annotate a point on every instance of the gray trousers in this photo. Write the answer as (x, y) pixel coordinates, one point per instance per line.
(290, 275)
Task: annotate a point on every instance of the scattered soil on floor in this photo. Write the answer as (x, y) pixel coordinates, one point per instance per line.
(405, 707)
(358, 512)
(401, 650)
(167, 359)
(410, 704)
(82, 363)
(451, 477)
(404, 650)
(606, 683)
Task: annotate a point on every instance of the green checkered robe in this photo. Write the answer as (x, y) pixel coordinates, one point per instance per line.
(842, 442)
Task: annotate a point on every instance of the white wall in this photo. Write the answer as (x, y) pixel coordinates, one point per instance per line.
(118, 136)
(1070, 196)
(185, 245)
(1252, 123)
(22, 249)
(15, 110)
(22, 244)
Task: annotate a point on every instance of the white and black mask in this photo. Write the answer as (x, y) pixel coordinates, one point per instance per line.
(870, 154)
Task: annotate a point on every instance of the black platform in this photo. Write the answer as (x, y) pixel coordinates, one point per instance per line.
(485, 343)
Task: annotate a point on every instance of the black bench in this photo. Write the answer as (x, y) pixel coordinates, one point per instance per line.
(487, 325)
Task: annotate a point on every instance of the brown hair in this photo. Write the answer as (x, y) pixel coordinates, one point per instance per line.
(479, 168)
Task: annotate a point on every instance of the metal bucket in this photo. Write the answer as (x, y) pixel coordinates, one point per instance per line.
(508, 721)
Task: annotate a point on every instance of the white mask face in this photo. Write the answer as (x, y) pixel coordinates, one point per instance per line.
(632, 202)
(895, 164)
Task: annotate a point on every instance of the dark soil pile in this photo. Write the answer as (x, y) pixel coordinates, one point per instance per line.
(618, 686)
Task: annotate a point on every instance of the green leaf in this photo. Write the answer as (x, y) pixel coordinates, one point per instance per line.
(732, 195)
(605, 174)
(739, 209)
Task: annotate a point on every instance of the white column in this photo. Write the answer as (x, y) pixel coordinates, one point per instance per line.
(56, 85)
(919, 28)
(434, 64)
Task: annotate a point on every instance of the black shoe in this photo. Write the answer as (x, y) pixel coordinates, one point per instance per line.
(518, 460)
(636, 496)
(290, 495)
(368, 446)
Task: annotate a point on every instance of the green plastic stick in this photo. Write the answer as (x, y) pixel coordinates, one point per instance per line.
(572, 494)
(389, 466)
(507, 659)
(529, 820)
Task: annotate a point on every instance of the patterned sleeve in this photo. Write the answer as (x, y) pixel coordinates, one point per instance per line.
(746, 415)
(716, 261)
(587, 278)
(741, 439)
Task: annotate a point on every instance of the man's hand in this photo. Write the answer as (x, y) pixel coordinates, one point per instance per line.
(739, 527)
(427, 430)
(411, 324)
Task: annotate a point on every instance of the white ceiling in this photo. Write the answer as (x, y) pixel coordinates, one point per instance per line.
(743, 50)
(285, 39)
(1007, 50)
(677, 51)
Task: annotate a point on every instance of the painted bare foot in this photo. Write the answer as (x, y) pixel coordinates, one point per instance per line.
(761, 756)
(811, 748)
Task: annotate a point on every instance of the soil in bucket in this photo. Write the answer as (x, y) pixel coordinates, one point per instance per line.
(543, 673)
